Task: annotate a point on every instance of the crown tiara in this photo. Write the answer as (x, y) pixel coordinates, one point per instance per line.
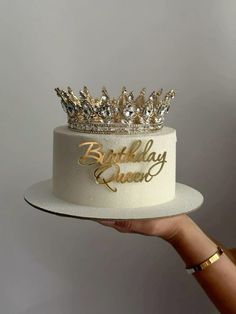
(124, 115)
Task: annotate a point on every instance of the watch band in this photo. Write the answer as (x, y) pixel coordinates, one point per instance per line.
(211, 260)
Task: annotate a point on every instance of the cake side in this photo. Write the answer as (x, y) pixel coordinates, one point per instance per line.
(114, 171)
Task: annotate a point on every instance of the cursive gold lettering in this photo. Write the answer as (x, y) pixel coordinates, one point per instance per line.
(108, 169)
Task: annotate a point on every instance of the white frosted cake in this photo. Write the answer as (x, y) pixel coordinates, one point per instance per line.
(114, 153)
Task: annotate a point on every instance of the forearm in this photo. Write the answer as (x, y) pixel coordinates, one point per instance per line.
(219, 279)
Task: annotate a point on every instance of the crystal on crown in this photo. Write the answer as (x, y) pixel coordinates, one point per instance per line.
(124, 115)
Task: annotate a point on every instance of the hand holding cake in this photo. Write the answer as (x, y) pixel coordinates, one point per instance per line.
(165, 228)
(215, 271)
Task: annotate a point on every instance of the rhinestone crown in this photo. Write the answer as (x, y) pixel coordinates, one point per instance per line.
(124, 115)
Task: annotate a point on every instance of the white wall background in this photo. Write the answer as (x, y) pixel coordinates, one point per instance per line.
(53, 265)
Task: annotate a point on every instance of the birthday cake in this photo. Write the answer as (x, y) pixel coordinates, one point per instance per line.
(114, 153)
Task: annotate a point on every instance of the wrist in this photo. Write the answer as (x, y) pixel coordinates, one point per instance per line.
(176, 229)
(192, 244)
(183, 226)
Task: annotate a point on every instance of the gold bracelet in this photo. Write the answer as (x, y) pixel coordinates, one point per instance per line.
(211, 260)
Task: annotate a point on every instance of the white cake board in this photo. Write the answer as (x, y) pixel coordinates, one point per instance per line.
(41, 197)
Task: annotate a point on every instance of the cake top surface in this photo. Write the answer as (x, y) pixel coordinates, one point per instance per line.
(124, 115)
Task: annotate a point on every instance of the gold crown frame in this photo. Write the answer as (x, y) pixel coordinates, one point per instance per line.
(124, 115)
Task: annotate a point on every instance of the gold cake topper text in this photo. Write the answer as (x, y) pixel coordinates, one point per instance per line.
(108, 169)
